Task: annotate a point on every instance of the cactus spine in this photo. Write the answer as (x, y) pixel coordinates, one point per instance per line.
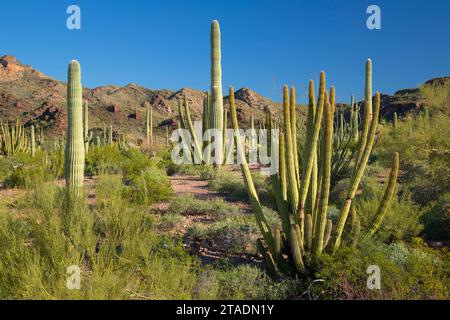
(75, 142)
(216, 107)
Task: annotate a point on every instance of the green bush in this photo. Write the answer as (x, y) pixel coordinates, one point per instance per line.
(406, 273)
(147, 187)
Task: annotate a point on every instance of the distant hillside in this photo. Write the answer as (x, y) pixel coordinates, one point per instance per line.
(34, 98)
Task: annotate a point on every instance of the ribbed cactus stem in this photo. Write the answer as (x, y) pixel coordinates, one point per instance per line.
(33, 142)
(319, 232)
(367, 113)
(86, 126)
(75, 142)
(197, 146)
(354, 121)
(291, 178)
(293, 105)
(254, 200)
(311, 140)
(205, 126)
(354, 184)
(388, 195)
(216, 108)
(282, 166)
(224, 135)
(395, 124)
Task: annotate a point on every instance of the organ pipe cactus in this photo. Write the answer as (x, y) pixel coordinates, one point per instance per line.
(216, 106)
(388, 195)
(75, 142)
(87, 138)
(307, 231)
(13, 139)
(188, 121)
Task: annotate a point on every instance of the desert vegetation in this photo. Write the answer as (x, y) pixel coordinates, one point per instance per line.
(354, 187)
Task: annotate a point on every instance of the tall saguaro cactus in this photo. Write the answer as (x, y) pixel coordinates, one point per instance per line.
(75, 142)
(216, 106)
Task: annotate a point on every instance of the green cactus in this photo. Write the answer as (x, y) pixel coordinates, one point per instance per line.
(367, 113)
(304, 235)
(216, 107)
(360, 167)
(149, 125)
(254, 200)
(187, 120)
(75, 143)
(291, 178)
(13, 139)
(32, 141)
(321, 219)
(354, 118)
(395, 124)
(87, 136)
(293, 114)
(387, 198)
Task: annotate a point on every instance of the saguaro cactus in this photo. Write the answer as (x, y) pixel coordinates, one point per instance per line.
(216, 107)
(75, 141)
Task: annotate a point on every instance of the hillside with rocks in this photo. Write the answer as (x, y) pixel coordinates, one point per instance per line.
(34, 98)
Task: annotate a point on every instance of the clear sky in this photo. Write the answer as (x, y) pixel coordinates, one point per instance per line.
(165, 44)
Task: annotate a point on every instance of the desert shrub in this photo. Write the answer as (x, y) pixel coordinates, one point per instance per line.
(148, 186)
(424, 150)
(187, 204)
(436, 96)
(436, 220)
(244, 282)
(402, 221)
(103, 160)
(25, 171)
(406, 273)
(232, 184)
(204, 171)
(119, 254)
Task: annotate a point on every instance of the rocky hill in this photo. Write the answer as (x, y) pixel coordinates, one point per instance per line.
(34, 98)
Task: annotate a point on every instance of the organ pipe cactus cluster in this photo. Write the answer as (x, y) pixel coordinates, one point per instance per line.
(306, 230)
(75, 154)
(13, 139)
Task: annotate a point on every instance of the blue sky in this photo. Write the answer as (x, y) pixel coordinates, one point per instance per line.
(165, 44)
